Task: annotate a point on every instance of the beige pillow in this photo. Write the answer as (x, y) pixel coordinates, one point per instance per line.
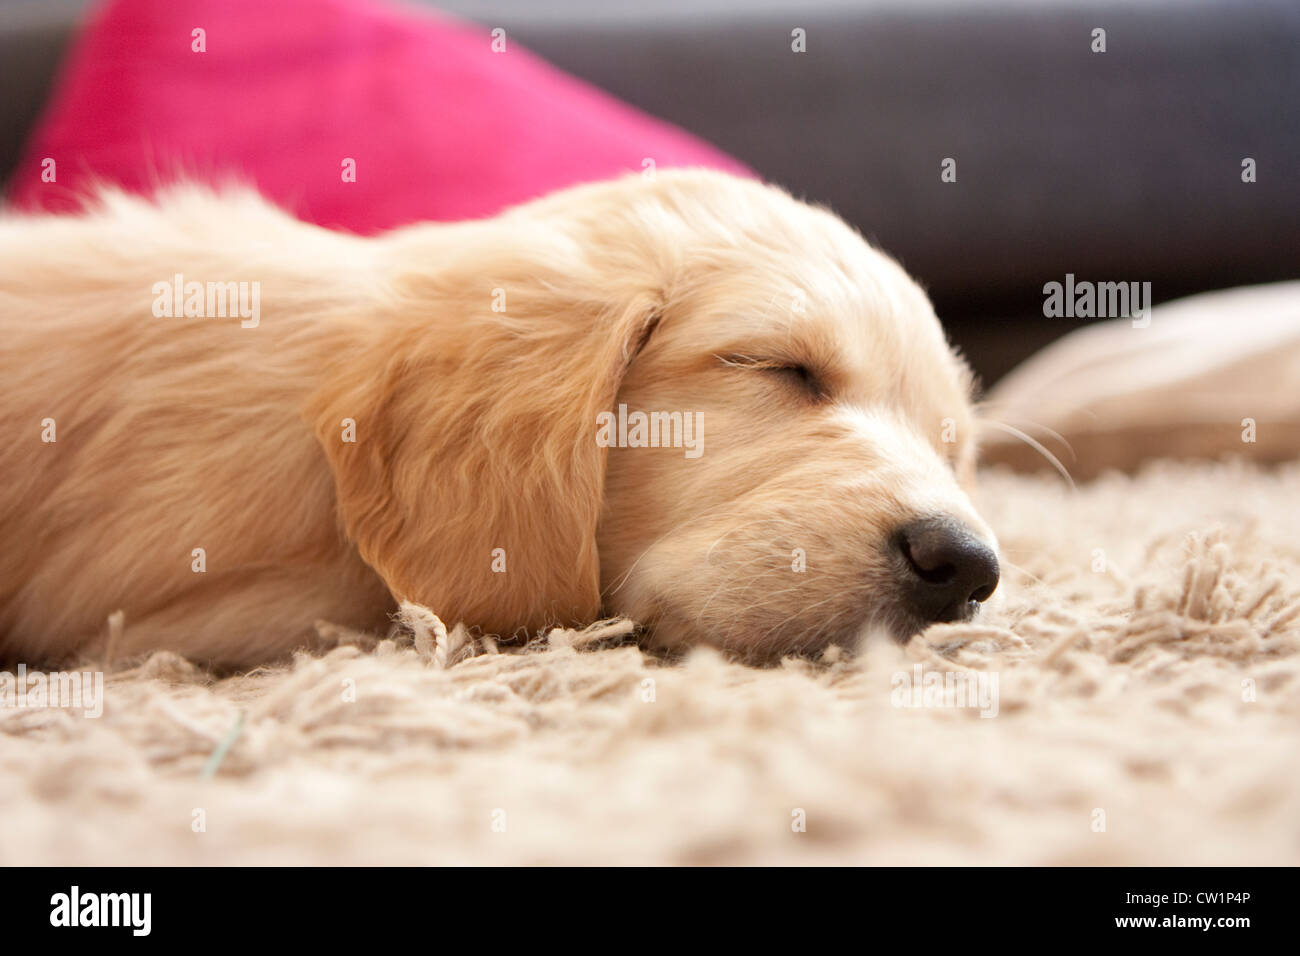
(1211, 375)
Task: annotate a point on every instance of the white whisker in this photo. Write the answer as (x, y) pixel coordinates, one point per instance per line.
(1036, 446)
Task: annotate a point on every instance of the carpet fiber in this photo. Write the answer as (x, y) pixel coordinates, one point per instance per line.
(1144, 642)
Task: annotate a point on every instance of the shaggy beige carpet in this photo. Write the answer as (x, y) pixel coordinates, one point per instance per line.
(1148, 711)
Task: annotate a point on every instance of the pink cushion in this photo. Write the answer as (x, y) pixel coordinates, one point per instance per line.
(440, 126)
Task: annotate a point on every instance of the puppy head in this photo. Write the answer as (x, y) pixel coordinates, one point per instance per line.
(826, 427)
(795, 477)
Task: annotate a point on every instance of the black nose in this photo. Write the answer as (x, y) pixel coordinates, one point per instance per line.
(946, 570)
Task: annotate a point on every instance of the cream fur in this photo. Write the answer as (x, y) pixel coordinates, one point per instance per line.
(474, 427)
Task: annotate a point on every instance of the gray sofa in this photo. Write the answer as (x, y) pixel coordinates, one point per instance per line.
(1116, 166)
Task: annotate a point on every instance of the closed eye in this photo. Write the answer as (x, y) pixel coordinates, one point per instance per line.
(793, 375)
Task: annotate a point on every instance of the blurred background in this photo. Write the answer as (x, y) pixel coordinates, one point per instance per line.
(1122, 166)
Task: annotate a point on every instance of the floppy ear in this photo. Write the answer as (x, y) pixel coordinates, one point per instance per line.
(474, 483)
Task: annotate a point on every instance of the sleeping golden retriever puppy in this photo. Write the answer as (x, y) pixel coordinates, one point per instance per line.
(691, 400)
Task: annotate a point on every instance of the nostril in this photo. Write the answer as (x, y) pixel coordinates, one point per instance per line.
(948, 569)
(941, 573)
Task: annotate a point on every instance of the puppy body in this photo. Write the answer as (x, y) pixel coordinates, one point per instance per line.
(172, 434)
(413, 417)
